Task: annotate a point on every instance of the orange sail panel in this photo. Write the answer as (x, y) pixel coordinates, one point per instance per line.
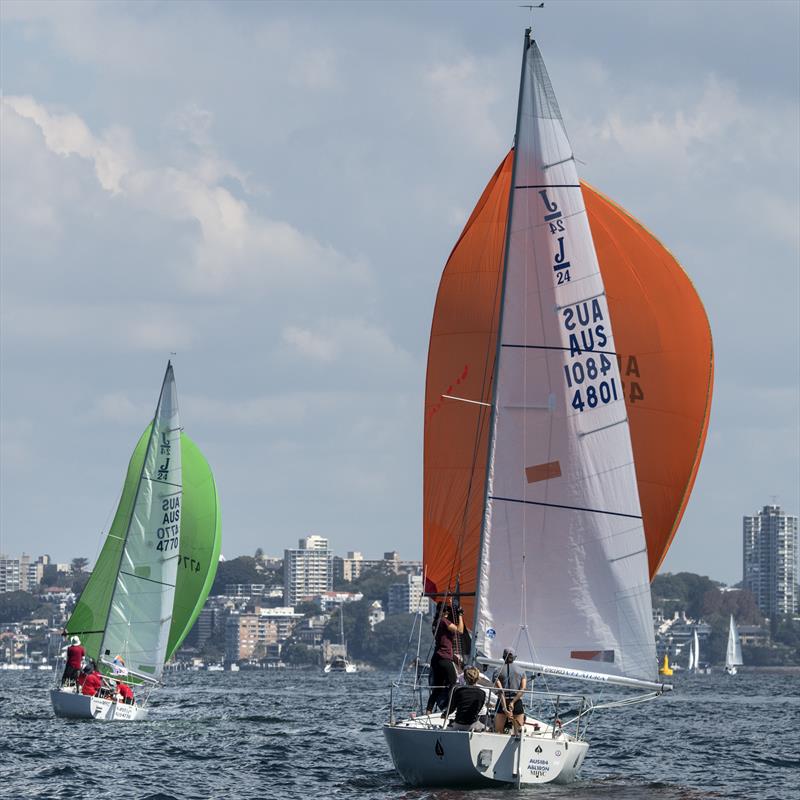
(460, 363)
(666, 364)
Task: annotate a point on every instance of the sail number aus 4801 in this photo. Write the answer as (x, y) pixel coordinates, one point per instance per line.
(577, 372)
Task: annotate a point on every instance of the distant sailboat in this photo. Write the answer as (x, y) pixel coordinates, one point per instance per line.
(693, 652)
(155, 570)
(341, 663)
(733, 652)
(549, 497)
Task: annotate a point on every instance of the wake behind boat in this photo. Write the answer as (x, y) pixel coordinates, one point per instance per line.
(151, 579)
(555, 474)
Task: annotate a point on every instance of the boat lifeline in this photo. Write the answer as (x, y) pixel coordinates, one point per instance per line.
(154, 571)
(560, 449)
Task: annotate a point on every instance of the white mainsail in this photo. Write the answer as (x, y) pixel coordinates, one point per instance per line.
(733, 653)
(563, 573)
(695, 650)
(141, 608)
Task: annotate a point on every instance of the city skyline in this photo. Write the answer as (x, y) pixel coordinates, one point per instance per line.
(277, 211)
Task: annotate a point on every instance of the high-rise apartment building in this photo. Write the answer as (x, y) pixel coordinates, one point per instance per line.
(406, 597)
(21, 574)
(307, 571)
(9, 574)
(770, 560)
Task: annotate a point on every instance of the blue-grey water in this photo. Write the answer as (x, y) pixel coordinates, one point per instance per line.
(300, 734)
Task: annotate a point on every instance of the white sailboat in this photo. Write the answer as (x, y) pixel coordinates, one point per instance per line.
(562, 564)
(692, 665)
(130, 619)
(733, 652)
(341, 663)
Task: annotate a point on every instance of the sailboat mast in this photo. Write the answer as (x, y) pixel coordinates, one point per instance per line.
(481, 548)
(133, 505)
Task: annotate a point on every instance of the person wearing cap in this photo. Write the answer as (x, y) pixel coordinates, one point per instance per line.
(75, 655)
(467, 702)
(512, 680)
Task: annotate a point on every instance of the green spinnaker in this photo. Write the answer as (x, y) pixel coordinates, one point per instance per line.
(200, 542)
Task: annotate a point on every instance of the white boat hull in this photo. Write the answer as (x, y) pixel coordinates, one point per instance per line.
(80, 706)
(436, 756)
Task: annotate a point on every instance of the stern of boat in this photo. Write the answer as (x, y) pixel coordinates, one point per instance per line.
(426, 754)
(67, 703)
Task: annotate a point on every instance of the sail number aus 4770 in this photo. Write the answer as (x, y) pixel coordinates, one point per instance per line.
(168, 537)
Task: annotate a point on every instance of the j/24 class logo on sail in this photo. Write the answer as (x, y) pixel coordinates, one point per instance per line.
(555, 224)
(587, 372)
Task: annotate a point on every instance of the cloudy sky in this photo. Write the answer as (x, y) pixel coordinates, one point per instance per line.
(270, 191)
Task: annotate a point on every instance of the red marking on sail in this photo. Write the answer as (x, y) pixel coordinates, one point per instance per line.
(543, 472)
(593, 655)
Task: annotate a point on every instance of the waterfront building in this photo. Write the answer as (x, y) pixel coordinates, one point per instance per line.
(330, 600)
(250, 635)
(376, 614)
(21, 574)
(355, 565)
(407, 597)
(770, 560)
(307, 570)
(9, 574)
(244, 589)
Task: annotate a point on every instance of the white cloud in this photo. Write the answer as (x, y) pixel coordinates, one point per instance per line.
(463, 95)
(235, 247)
(338, 339)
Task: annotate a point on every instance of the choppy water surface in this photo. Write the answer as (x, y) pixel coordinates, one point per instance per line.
(300, 734)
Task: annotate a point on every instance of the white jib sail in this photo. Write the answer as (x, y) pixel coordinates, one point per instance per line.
(141, 607)
(696, 648)
(733, 654)
(564, 575)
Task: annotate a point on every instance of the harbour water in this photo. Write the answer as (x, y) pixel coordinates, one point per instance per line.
(300, 734)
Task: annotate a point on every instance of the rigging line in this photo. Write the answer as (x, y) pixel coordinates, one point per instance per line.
(464, 400)
(552, 347)
(550, 185)
(558, 163)
(627, 555)
(141, 577)
(568, 508)
(604, 427)
(166, 483)
(584, 299)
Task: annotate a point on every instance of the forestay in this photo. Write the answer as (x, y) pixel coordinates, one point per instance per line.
(141, 607)
(564, 572)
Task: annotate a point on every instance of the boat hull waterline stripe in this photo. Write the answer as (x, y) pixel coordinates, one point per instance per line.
(568, 508)
(578, 674)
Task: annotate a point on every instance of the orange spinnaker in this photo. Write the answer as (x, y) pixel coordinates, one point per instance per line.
(666, 364)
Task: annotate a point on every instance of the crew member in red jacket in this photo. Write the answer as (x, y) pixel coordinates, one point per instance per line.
(75, 654)
(125, 693)
(93, 681)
